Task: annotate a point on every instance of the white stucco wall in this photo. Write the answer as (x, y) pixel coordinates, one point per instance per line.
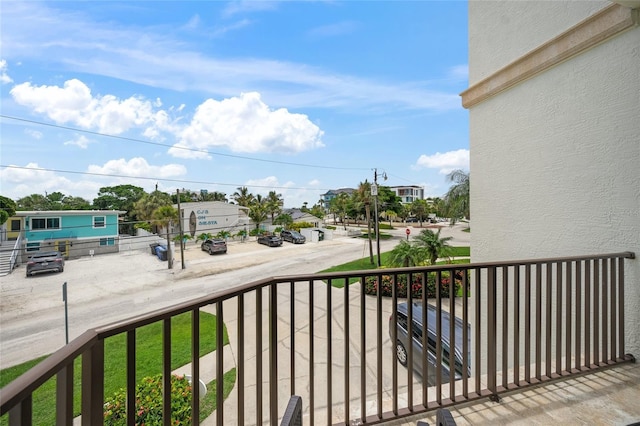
(555, 160)
(213, 217)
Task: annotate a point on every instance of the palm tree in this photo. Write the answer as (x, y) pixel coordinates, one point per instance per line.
(405, 255)
(204, 237)
(363, 193)
(273, 204)
(338, 206)
(434, 247)
(243, 197)
(257, 210)
(457, 198)
(163, 217)
(283, 219)
(145, 207)
(420, 209)
(391, 215)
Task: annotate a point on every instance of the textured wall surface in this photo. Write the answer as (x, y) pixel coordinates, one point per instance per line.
(555, 160)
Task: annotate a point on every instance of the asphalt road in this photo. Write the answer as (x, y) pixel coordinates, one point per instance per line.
(108, 288)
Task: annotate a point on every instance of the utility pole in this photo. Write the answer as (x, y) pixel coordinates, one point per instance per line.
(180, 229)
(374, 192)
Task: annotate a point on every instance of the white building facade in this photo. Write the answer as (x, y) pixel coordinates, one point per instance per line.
(554, 104)
(213, 217)
(408, 194)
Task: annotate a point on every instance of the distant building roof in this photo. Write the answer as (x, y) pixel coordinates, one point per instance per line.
(23, 213)
(339, 191)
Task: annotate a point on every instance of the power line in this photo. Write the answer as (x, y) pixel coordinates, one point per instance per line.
(156, 178)
(201, 151)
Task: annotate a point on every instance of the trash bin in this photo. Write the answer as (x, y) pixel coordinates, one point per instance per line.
(153, 248)
(161, 252)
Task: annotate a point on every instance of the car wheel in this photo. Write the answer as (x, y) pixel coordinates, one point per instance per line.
(401, 353)
(209, 251)
(61, 269)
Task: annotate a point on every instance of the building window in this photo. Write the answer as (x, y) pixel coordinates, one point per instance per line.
(107, 241)
(99, 221)
(33, 246)
(43, 223)
(15, 225)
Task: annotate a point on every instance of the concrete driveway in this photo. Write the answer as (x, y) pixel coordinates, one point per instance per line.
(113, 287)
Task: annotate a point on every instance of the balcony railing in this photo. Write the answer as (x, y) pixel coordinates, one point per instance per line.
(530, 321)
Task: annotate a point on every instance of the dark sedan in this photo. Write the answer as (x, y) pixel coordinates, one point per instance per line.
(270, 240)
(419, 353)
(45, 261)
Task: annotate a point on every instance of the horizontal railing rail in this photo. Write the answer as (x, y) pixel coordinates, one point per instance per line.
(336, 341)
(13, 261)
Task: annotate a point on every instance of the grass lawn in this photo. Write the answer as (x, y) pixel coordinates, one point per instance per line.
(365, 264)
(148, 363)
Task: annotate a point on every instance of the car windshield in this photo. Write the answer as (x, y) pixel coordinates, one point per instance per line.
(47, 254)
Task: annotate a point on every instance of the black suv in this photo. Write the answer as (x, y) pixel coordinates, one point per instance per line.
(214, 246)
(293, 237)
(45, 261)
(418, 346)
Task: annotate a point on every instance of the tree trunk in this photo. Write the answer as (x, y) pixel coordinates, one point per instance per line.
(366, 209)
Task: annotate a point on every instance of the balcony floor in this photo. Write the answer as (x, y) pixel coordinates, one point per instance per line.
(608, 397)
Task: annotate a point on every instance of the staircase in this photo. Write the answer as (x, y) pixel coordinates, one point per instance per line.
(8, 253)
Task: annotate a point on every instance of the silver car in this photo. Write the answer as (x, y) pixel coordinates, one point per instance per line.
(292, 236)
(45, 261)
(402, 342)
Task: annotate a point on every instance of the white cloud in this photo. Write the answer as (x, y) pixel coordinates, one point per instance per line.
(4, 77)
(246, 124)
(446, 162)
(292, 195)
(248, 6)
(219, 31)
(74, 104)
(81, 141)
(459, 72)
(18, 182)
(334, 30)
(138, 167)
(74, 42)
(35, 134)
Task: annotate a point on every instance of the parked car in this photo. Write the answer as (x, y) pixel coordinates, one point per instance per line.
(270, 240)
(45, 261)
(293, 237)
(214, 245)
(402, 342)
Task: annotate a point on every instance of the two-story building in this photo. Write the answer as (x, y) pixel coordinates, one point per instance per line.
(408, 193)
(333, 193)
(74, 233)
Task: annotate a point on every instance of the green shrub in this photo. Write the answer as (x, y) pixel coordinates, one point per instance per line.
(223, 235)
(382, 225)
(371, 285)
(149, 403)
(297, 226)
(330, 227)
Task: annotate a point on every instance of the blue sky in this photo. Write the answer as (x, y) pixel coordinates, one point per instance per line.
(294, 96)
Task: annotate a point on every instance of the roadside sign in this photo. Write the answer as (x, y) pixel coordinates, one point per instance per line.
(408, 231)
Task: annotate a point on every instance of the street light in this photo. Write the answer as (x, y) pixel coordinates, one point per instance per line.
(374, 193)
